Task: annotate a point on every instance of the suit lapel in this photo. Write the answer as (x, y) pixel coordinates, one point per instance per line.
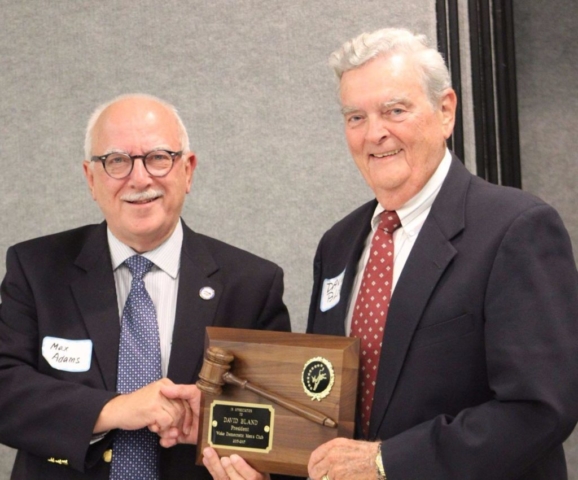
(95, 295)
(193, 312)
(343, 253)
(428, 260)
(345, 256)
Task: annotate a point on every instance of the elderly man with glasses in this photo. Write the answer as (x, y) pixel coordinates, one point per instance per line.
(102, 327)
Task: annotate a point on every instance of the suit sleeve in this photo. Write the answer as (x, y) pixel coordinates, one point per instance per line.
(274, 314)
(531, 347)
(45, 415)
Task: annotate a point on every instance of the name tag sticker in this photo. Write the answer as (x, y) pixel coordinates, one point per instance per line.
(331, 292)
(67, 355)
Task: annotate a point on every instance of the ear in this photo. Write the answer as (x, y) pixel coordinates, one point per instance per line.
(190, 165)
(448, 105)
(89, 175)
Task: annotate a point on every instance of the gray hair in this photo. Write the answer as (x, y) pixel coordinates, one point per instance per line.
(430, 65)
(183, 135)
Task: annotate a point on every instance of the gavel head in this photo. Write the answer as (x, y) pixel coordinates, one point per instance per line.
(216, 363)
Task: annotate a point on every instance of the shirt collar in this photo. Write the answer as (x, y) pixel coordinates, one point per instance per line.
(166, 256)
(422, 200)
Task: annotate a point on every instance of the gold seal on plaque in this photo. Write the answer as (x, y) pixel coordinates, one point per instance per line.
(318, 378)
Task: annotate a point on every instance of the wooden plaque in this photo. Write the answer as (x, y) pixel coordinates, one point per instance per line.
(317, 371)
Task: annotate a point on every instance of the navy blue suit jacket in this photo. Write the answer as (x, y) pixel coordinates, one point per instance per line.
(478, 376)
(63, 286)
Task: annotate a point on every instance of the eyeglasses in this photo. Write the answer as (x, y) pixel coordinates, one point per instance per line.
(119, 165)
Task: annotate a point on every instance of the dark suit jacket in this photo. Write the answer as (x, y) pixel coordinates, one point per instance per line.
(478, 376)
(63, 286)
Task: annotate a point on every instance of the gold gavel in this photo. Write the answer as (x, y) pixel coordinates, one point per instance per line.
(215, 373)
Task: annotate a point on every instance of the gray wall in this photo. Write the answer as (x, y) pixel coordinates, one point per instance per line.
(547, 63)
(251, 81)
(252, 84)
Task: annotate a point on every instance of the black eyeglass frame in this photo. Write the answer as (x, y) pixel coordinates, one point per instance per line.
(102, 159)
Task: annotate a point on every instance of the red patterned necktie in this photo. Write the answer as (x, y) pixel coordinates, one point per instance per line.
(371, 305)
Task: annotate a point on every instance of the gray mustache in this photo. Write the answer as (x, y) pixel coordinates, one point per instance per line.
(140, 196)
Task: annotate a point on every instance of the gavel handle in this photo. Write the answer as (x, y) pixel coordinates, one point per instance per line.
(301, 410)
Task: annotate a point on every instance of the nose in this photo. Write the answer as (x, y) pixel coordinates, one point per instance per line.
(139, 176)
(376, 130)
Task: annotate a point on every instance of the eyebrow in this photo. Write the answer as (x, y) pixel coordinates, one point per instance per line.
(120, 150)
(395, 101)
(348, 110)
(383, 106)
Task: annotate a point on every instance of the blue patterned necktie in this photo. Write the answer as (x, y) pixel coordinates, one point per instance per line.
(136, 452)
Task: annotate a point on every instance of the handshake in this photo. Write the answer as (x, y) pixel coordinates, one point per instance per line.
(172, 412)
(167, 409)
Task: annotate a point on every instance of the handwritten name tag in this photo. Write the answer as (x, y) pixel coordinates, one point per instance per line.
(331, 292)
(67, 355)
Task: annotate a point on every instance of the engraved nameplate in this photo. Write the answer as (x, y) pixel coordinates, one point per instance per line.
(241, 426)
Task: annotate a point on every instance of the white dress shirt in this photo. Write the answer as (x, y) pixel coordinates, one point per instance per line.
(412, 216)
(161, 282)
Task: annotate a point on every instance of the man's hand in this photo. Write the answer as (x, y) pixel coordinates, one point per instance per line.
(144, 407)
(343, 459)
(191, 396)
(230, 468)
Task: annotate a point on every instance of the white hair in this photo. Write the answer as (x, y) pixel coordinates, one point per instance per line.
(183, 135)
(430, 65)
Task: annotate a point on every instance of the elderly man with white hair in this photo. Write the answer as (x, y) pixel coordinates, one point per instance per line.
(464, 294)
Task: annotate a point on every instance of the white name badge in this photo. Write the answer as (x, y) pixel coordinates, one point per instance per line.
(331, 292)
(67, 355)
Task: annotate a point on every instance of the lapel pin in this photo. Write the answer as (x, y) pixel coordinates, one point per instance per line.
(206, 293)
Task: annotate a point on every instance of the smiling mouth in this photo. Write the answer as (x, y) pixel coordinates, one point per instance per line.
(142, 202)
(386, 154)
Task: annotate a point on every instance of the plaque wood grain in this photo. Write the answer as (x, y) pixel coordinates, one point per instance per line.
(275, 361)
